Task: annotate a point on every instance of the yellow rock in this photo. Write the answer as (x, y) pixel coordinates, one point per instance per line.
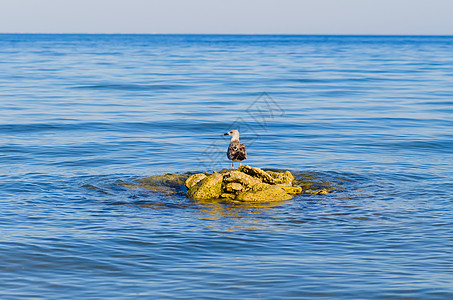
(318, 192)
(257, 173)
(194, 179)
(260, 187)
(207, 188)
(323, 192)
(292, 190)
(264, 193)
(239, 177)
(233, 187)
(228, 195)
(270, 177)
(285, 178)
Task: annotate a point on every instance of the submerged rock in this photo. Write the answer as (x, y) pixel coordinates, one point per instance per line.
(168, 183)
(292, 190)
(165, 190)
(167, 179)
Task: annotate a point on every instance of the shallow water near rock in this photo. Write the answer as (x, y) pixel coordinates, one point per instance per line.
(81, 116)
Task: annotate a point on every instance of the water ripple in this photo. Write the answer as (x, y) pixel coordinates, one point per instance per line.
(83, 114)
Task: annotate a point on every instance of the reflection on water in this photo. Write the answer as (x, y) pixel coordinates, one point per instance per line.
(232, 215)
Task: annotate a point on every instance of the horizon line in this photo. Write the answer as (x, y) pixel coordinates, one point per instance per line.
(263, 34)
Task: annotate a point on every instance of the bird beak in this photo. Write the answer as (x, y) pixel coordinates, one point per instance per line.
(226, 133)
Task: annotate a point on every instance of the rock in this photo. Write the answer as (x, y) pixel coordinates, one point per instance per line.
(257, 173)
(194, 179)
(285, 178)
(323, 192)
(245, 180)
(260, 187)
(317, 192)
(151, 187)
(228, 196)
(207, 188)
(270, 177)
(233, 187)
(167, 179)
(264, 193)
(292, 190)
(244, 184)
(167, 183)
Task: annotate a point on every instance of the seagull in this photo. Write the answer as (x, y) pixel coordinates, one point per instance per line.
(236, 150)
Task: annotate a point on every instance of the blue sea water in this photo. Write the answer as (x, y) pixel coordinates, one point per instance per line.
(82, 114)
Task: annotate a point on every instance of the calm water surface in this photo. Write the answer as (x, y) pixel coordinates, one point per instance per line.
(81, 114)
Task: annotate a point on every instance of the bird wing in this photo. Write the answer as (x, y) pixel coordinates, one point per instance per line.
(237, 151)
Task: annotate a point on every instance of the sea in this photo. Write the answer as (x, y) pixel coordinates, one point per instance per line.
(370, 117)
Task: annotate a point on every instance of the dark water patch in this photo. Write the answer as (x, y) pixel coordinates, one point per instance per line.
(434, 102)
(439, 146)
(134, 87)
(42, 127)
(133, 127)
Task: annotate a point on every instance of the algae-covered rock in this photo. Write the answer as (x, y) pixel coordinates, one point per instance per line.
(168, 190)
(207, 188)
(257, 173)
(244, 184)
(318, 192)
(264, 193)
(233, 187)
(292, 190)
(167, 183)
(260, 187)
(194, 179)
(271, 177)
(285, 179)
(230, 196)
(168, 179)
(239, 177)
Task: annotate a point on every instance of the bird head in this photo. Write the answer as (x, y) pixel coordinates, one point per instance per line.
(234, 135)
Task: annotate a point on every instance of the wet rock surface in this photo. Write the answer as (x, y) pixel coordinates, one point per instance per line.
(246, 184)
(207, 188)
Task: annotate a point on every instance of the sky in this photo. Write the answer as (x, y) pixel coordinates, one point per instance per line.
(381, 17)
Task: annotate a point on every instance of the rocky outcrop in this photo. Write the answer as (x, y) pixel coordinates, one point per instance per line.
(248, 184)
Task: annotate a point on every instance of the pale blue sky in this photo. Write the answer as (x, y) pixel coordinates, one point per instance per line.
(422, 17)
